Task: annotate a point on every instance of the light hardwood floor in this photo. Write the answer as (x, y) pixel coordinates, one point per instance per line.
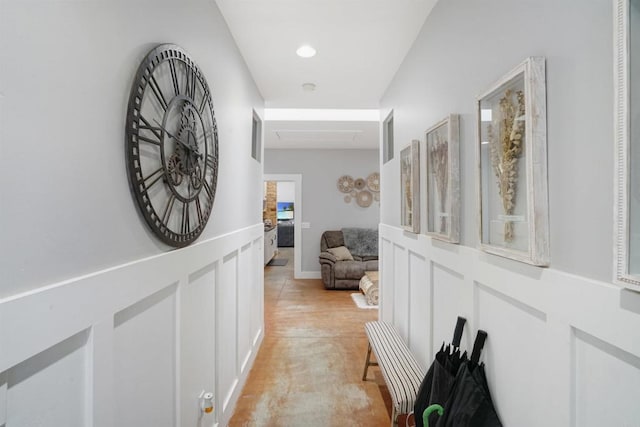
(308, 371)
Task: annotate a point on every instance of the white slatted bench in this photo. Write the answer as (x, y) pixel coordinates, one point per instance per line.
(399, 367)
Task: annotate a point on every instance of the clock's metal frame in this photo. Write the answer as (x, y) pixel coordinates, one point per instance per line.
(144, 85)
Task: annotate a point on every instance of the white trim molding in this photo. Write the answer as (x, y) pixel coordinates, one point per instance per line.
(297, 224)
(622, 146)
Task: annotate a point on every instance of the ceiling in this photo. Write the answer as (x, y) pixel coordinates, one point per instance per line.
(360, 44)
(321, 134)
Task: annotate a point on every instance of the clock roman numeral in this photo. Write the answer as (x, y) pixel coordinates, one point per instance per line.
(207, 188)
(155, 176)
(155, 88)
(186, 223)
(191, 83)
(211, 161)
(174, 76)
(199, 210)
(168, 209)
(156, 131)
(204, 103)
(149, 140)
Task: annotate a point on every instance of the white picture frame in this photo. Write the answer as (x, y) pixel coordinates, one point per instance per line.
(442, 165)
(511, 154)
(410, 187)
(627, 167)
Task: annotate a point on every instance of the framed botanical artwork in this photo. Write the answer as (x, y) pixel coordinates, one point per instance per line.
(409, 187)
(443, 179)
(511, 153)
(627, 137)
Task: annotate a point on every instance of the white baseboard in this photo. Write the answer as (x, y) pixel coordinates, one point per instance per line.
(309, 275)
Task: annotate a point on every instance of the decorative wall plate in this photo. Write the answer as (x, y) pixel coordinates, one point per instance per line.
(359, 184)
(347, 199)
(364, 198)
(373, 182)
(345, 183)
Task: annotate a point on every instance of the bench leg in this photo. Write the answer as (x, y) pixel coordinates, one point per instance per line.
(368, 363)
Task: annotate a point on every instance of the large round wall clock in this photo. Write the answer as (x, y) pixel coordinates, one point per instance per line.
(172, 145)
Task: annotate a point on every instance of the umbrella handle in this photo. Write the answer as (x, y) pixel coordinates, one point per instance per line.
(431, 408)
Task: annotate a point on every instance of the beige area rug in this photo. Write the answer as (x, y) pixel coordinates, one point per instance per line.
(361, 301)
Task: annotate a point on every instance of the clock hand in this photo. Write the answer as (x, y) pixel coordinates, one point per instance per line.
(187, 146)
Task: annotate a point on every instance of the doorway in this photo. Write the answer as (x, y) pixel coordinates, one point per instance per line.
(291, 215)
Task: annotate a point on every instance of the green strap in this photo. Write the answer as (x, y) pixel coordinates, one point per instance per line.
(432, 408)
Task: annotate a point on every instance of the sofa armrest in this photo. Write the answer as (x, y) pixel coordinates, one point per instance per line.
(327, 258)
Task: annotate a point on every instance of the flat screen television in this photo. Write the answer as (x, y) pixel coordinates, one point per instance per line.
(285, 210)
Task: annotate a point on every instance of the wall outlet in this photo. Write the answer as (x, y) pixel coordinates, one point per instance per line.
(306, 225)
(206, 402)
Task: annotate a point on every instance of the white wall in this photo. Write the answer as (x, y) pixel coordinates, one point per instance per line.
(98, 320)
(323, 204)
(563, 341)
(286, 191)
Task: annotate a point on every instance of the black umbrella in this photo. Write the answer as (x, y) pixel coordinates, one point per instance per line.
(437, 383)
(469, 403)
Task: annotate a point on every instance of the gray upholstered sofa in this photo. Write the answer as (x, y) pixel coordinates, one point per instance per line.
(362, 244)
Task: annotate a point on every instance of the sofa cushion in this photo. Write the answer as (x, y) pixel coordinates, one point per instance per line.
(331, 239)
(361, 241)
(371, 265)
(349, 270)
(341, 253)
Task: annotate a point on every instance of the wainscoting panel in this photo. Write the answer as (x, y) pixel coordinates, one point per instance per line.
(562, 350)
(50, 388)
(144, 361)
(136, 344)
(197, 342)
(244, 295)
(522, 337)
(3, 399)
(255, 300)
(386, 264)
(450, 300)
(401, 293)
(227, 330)
(599, 369)
(419, 305)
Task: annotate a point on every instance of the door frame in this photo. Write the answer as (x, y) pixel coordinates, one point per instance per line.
(297, 225)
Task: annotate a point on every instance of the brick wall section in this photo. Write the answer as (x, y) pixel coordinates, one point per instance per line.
(270, 211)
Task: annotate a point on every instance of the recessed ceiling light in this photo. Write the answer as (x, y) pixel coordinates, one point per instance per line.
(309, 87)
(306, 51)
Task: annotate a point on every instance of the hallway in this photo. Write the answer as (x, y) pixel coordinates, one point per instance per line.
(308, 370)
